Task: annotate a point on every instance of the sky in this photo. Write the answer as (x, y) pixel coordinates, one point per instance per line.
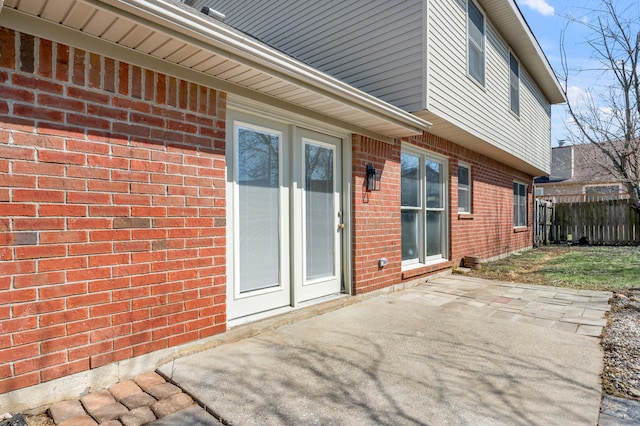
(547, 19)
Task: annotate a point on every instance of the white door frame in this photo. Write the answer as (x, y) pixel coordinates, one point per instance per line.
(252, 112)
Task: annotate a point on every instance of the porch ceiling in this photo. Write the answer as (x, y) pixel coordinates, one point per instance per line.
(164, 32)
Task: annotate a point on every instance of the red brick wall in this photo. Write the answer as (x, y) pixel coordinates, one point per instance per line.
(375, 215)
(487, 232)
(112, 211)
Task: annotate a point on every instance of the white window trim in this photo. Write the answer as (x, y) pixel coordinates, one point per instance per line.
(469, 189)
(610, 185)
(481, 84)
(539, 191)
(603, 185)
(423, 260)
(515, 113)
(526, 218)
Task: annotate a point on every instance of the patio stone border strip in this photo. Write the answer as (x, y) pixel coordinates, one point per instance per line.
(577, 311)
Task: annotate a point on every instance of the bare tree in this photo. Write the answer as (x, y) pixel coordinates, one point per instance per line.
(607, 116)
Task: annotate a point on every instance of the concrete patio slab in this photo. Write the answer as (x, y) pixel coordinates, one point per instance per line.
(397, 359)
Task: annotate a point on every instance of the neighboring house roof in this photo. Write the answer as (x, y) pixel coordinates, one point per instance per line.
(176, 39)
(579, 164)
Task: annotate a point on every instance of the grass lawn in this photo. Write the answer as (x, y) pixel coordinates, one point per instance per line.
(592, 268)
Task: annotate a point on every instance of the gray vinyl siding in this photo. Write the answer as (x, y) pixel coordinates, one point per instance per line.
(412, 54)
(374, 45)
(483, 111)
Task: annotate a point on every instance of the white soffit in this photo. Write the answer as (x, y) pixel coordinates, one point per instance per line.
(180, 41)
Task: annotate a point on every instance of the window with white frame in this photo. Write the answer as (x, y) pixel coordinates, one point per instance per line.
(475, 42)
(464, 188)
(601, 192)
(514, 84)
(423, 207)
(519, 204)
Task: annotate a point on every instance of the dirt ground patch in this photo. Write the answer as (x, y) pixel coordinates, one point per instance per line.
(589, 268)
(521, 267)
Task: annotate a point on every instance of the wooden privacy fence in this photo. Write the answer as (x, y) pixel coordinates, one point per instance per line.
(605, 222)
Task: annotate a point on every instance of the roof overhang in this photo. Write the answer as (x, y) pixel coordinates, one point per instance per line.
(508, 20)
(455, 133)
(173, 38)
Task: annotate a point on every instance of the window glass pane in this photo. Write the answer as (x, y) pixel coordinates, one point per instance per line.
(410, 231)
(463, 176)
(258, 179)
(601, 193)
(476, 63)
(464, 192)
(475, 45)
(319, 211)
(476, 22)
(433, 174)
(515, 102)
(514, 83)
(522, 217)
(434, 233)
(519, 204)
(410, 184)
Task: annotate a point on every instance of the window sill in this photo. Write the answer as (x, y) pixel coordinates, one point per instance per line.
(418, 269)
(465, 216)
(481, 86)
(520, 229)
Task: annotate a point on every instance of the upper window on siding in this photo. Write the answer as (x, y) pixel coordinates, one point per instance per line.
(475, 42)
(514, 84)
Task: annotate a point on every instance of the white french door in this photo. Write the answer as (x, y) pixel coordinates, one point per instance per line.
(318, 221)
(284, 215)
(258, 262)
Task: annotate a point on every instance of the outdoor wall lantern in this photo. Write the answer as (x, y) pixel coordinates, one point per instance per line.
(373, 178)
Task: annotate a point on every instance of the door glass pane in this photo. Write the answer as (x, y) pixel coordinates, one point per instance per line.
(410, 184)
(433, 170)
(434, 233)
(410, 235)
(258, 179)
(320, 211)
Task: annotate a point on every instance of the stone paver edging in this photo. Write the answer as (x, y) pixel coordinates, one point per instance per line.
(135, 402)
